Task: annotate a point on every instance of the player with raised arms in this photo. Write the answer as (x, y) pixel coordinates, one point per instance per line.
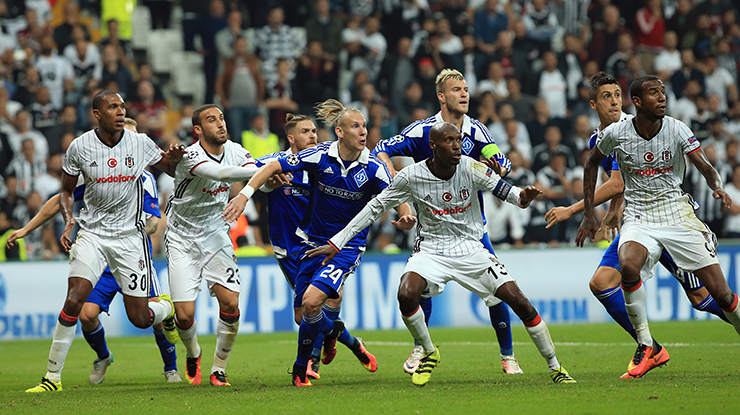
(344, 176)
(606, 99)
(106, 289)
(413, 141)
(202, 182)
(650, 150)
(448, 244)
(111, 160)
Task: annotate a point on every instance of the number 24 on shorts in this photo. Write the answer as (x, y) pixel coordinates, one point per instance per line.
(332, 273)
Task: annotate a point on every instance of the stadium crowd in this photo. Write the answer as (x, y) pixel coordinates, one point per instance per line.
(525, 62)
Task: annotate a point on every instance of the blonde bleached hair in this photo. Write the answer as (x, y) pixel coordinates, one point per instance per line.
(445, 76)
(130, 121)
(292, 120)
(332, 112)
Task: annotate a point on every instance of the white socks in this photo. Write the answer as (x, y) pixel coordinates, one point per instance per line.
(537, 330)
(225, 337)
(63, 337)
(161, 309)
(190, 339)
(418, 328)
(635, 300)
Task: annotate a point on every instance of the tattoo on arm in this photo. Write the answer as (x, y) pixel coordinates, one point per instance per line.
(151, 225)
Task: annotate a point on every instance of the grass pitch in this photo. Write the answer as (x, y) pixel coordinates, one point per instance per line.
(703, 376)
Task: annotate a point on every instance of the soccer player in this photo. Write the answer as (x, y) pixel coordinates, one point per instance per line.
(448, 243)
(454, 101)
(111, 160)
(344, 177)
(650, 150)
(107, 288)
(287, 206)
(606, 99)
(202, 182)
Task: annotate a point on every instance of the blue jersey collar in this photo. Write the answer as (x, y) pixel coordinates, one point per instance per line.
(334, 153)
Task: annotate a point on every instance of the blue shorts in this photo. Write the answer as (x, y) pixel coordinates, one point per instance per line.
(688, 281)
(290, 266)
(107, 288)
(328, 278)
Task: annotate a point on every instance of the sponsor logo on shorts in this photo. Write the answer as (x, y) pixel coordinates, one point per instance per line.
(449, 211)
(111, 179)
(650, 172)
(112, 163)
(215, 191)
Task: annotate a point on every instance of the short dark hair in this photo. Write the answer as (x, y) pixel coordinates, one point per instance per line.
(636, 88)
(97, 100)
(597, 81)
(196, 113)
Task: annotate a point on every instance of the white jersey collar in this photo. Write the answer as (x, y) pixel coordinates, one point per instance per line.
(467, 126)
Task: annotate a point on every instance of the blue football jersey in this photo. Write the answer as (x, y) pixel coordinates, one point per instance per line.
(287, 206)
(338, 191)
(414, 141)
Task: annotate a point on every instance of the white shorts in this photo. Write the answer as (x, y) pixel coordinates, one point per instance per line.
(480, 273)
(189, 261)
(691, 244)
(127, 256)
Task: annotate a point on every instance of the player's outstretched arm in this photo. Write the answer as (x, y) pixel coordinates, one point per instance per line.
(237, 204)
(219, 173)
(382, 156)
(50, 208)
(588, 225)
(712, 177)
(527, 195)
(612, 188)
(66, 204)
(170, 158)
(611, 223)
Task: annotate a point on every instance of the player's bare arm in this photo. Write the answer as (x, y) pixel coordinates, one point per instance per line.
(527, 195)
(151, 225)
(382, 156)
(66, 206)
(610, 226)
(608, 191)
(48, 211)
(712, 177)
(237, 204)
(590, 173)
(170, 158)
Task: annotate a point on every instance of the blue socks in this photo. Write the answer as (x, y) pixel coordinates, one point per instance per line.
(167, 350)
(501, 322)
(96, 340)
(710, 306)
(613, 301)
(307, 333)
(426, 307)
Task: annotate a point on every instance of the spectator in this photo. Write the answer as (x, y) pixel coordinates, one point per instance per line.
(668, 59)
(27, 86)
(396, 72)
(145, 73)
(55, 71)
(368, 52)
(325, 28)
(276, 41)
(367, 99)
(543, 153)
(688, 71)
(604, 39)
(450, 44)
(527, 54)
(121, 46)
(22, 131)
(412, 100)
(720, 81)
(49, 183)
(114, 70)
(419, 41)
(706, 36)
(650, 28)
(541, 24)
(683, 23)
(185, 134)
(86, 63)
(511, 134)
(280, 98)
(226, 37)
(486, 111)
(523, 104)
(616, 65)
(240, 87)
(536, 127)
(44, 114)
(495, 83)
(34, 30)
(427, 76)
(554, 179)
(487, 24)
(570, 61)
(155, 111)
(206, 28)
(26, 167)
(732, 221)
(8, 108)
(258, 139)
(63, 32)
(518, 176)
(582, 130)
(552, 85)
(471, 62)
(718, 139)
(726, 58)
(700, 122)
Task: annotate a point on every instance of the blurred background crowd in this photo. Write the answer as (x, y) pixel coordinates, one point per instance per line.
(526, 63)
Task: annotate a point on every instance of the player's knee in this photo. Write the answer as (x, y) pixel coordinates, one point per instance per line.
(140, 320)
(73, 306)
(229, 307)
(724, 298)
(184, 318)
(407, 300)
(521, 307)
(630, 272)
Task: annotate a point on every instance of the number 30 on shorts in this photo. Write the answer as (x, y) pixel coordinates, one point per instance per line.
(332, 273)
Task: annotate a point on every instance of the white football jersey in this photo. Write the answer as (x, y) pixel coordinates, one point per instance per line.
(449, 220)
(114, 192)
(652, 170)
(195, 206)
